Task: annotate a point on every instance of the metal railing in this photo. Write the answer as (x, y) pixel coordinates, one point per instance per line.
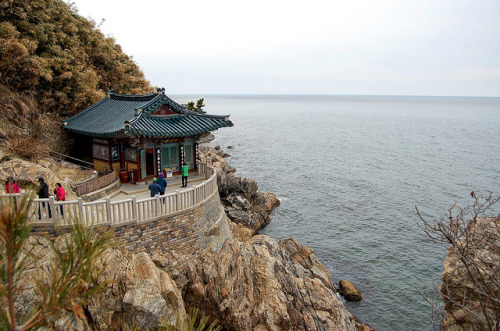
(74, 160)
(107, 212)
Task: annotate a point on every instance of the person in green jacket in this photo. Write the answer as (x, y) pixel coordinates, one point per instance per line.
(185, 171)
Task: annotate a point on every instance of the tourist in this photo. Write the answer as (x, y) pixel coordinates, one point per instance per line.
(43, 193)
(154, 188)
(11, 186)
(185, 172)
(162, 182)
(60, 196)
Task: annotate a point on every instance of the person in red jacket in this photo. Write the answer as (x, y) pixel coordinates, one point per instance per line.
(11, 186)
(60, 196)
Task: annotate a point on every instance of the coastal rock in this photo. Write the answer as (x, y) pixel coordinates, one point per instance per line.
(348, 291)
(153, 298)
(255, 285)
(242, 200)
(307, 258)
(249, 186)
(234, 183)
(470, 294)
(136, 292)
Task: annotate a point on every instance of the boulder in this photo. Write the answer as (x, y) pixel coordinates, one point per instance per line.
(348, 291)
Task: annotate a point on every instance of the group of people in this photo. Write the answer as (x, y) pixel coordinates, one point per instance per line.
(43, 193)
(159, 184)
(12, 187)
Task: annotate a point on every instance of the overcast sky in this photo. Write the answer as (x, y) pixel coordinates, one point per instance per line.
(356, 47)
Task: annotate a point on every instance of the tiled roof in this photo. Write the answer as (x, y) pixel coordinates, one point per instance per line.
(106, 118)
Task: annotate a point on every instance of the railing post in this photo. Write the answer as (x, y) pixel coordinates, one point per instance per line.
(51, 206)
(108, 210)
(134, 208)
(80, 211)
(157, 202)
(195, 195)
(178, 193)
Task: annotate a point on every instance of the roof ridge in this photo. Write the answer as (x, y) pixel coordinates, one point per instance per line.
(133, 97)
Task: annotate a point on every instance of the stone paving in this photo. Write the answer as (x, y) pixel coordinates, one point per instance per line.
(140, 189)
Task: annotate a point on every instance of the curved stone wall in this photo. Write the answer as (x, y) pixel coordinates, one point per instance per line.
(191, 231)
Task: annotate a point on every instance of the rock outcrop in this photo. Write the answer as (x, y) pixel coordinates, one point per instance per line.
(26, 173)
(249, 285)
(256, 285)
(243, 202)
(470, 291)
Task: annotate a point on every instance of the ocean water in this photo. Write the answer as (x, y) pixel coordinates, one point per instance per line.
(349, 171)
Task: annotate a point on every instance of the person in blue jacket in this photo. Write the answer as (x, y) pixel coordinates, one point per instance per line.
(154, 188)
(162, 182)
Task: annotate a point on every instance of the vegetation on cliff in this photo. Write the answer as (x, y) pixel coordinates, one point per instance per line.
(55, 63)
(471, 276)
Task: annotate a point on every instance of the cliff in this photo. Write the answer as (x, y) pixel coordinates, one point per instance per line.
(471, 278)
(251, 283)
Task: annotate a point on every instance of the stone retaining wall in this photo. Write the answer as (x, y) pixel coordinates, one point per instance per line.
(105, 191)
(191, 231)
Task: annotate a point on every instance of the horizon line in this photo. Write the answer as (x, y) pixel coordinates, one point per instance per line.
(338, 95)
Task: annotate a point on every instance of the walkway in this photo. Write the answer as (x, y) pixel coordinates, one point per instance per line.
(132, 202)
(140, 189)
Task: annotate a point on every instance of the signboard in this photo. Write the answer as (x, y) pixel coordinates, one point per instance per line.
(100, 152)
(131, 154)
(115, 153)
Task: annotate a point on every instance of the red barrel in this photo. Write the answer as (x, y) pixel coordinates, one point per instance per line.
(124, 176)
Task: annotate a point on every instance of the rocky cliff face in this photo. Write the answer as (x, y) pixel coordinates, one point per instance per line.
(252, 283)
(26, 173)
(243, 202)
(471, 278)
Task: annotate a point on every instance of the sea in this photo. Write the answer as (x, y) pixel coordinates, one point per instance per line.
(350, 172)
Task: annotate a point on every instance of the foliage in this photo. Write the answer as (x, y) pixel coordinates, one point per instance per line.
(62, 287)
(473, 242)
(199, 106)
(53, 64)
(49, 50)
(28, 147)
(194, 323)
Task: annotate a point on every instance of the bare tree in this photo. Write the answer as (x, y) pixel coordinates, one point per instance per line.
(470, 284)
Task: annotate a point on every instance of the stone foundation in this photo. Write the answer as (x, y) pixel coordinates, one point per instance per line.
(190, 232)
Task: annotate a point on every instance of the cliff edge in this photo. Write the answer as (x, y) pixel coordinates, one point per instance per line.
(251, 283)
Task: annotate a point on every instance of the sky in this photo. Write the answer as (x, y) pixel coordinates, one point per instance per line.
(347, 47)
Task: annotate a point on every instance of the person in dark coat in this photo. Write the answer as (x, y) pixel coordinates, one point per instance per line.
(162, 182)
(43, 193)
(154, 188)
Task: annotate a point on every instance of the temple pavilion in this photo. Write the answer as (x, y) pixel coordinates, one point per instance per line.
(141, 134)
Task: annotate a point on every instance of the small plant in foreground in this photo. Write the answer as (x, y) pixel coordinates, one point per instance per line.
(62, 287)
